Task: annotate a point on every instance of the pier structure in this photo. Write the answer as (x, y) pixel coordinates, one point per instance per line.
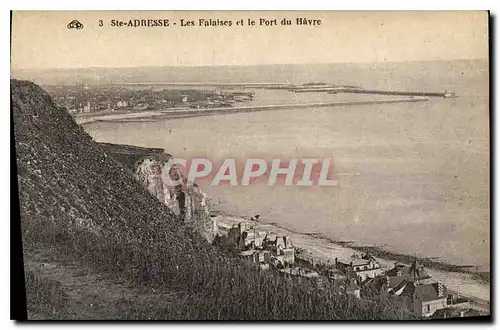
(399, 93)
(320, 87)
(357, 90)
(183, 112)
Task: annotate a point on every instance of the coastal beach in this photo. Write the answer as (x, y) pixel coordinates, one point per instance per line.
(324, 250)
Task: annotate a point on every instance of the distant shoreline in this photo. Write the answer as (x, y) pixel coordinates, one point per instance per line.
(481, 276)
(323, 250)
(186, 113)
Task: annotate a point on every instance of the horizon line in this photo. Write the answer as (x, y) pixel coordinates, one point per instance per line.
(239, 65)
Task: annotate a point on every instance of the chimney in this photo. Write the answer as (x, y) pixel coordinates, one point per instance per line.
(242, 227)
(440, 289)
(215, 223)
(336, 261)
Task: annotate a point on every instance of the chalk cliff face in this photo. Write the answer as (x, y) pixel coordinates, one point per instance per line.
(148, 172)
(187, 201)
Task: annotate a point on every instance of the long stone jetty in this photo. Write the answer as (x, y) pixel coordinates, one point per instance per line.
(169, 113)
(357, 90)
(400, 93)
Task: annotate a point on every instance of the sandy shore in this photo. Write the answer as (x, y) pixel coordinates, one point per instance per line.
(326, 251)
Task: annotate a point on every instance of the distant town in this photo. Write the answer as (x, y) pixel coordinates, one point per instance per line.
(82, 99)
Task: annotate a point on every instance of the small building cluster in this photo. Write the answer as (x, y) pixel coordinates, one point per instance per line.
(363, 266)
(361, 276)
(260, 247)
(409, 285)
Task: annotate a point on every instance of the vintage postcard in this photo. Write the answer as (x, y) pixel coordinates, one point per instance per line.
(252, 165)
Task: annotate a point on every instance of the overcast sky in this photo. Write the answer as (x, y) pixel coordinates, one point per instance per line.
(41, 40)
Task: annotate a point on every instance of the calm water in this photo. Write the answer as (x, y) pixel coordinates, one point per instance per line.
(413, 178)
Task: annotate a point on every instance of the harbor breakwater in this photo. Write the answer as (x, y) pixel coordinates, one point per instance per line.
(182, 112)
(397, 93)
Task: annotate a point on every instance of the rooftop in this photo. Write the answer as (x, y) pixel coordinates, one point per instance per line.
(356, 262)
(423, 292)
(247, 252)
(298, 271)
(414, 271)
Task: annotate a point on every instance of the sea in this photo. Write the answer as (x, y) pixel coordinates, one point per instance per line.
(413, 178)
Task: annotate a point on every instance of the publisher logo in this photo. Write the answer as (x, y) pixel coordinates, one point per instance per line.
(74, 24)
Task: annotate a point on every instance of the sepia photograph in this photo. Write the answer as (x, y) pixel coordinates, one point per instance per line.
(251, 165)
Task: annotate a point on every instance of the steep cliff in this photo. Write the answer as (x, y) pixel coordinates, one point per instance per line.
(187, 201)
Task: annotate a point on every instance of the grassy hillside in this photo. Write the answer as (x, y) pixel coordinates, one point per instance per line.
(78, 201)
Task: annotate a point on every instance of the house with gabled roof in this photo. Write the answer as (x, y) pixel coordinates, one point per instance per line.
(282, 246)
(421, 299)
(395, 279)
(364, 267)
(414, 272)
